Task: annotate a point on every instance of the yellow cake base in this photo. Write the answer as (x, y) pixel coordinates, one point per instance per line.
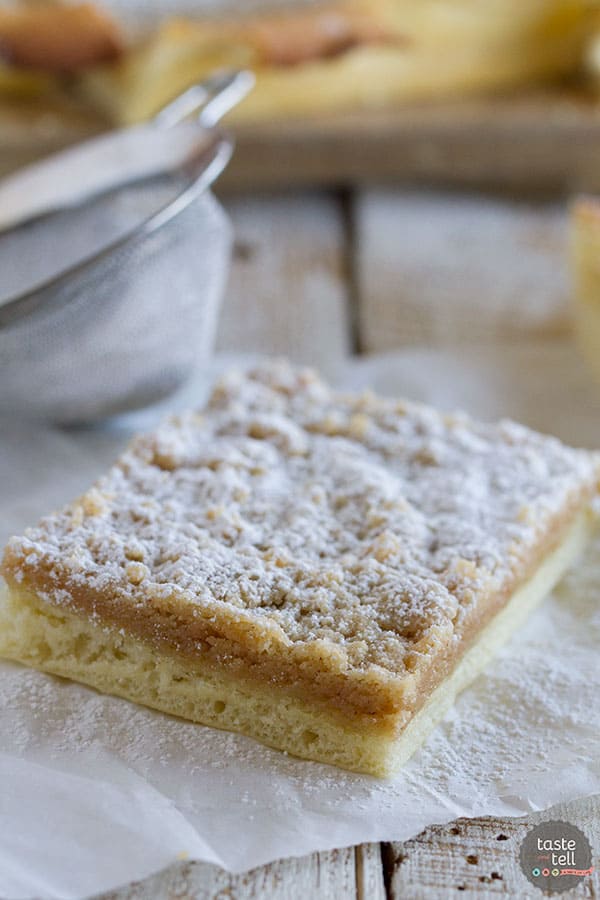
(585, 257)
(62, 643)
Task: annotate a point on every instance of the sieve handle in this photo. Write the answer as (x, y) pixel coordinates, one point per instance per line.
(181, 134)
(208, 101)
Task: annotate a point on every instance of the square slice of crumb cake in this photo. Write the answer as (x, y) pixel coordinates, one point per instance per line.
(319, 570)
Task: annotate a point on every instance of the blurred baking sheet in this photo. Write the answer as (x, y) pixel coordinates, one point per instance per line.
(537, 141)
(542, 141)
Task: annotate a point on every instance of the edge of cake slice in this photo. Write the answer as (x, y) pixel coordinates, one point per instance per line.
(321, 571)
(585, 265)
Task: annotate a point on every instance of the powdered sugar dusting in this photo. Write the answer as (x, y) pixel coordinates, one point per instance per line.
(367, 523)
(524, 736)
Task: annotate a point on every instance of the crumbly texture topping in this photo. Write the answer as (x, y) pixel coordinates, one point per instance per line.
(370, 525)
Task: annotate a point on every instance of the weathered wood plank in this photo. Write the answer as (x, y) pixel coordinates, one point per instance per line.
(369, 872)
(441, 269)
(321, 876)
(287, 293)
(544, 141)
(480, 857)
(475, 858)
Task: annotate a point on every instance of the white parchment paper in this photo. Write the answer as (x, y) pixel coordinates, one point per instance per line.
(96, 792)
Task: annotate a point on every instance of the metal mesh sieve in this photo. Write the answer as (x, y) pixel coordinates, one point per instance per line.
(135, 310)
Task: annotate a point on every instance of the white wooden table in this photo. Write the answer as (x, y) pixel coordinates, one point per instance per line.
(318, 277)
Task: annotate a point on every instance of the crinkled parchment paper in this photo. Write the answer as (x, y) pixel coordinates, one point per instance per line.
(96, 792)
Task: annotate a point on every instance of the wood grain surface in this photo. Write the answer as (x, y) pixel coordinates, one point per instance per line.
(542, 141)
(446, 269)
(467, 858)
(288, 290)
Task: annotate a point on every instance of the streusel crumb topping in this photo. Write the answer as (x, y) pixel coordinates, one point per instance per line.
(370, 524)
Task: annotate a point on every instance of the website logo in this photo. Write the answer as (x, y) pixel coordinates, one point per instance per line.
(556, 856)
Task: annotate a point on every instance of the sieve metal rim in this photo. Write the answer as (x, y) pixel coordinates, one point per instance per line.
(27, 302)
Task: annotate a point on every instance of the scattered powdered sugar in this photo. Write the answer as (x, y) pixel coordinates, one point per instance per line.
(525, 735)
(365, 522)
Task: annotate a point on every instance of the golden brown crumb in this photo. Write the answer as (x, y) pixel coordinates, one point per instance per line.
(58, 38)
(285, 38)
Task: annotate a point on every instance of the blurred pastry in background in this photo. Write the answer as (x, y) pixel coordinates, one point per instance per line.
(325, 56)
(306, 61)
(84, 68)
(44, 48)
(332, 57)
(48, 38)
(585, 246)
